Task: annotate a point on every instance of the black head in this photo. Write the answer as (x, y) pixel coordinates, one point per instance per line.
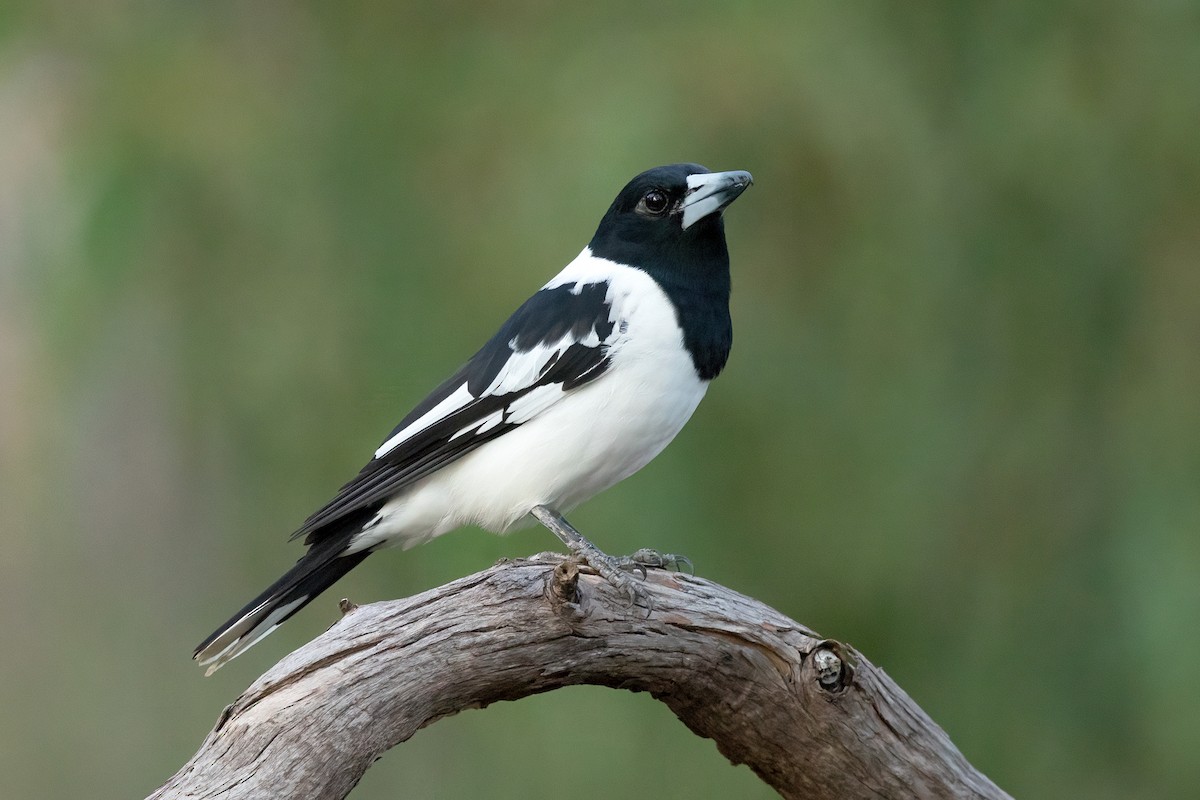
(669, 218)
(667, 222)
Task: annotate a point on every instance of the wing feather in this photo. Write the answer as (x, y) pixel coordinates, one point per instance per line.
(557, 341)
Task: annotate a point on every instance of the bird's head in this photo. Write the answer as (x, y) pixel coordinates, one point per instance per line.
(670, 213)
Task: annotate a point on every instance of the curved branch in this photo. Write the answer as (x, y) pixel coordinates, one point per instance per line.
(811, 717)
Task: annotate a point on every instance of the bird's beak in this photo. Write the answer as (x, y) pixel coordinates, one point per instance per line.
(710, 192)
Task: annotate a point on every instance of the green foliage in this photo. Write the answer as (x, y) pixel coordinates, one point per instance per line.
(959, 429)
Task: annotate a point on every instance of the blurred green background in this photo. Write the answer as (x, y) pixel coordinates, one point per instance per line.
(960, 428)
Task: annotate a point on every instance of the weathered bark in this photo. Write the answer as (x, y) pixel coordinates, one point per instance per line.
(811, 717)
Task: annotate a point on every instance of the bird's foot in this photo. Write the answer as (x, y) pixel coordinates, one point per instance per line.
(617, 572)
(652, 559)
(614, 570)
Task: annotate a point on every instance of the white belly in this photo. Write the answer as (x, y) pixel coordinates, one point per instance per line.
(576, 449)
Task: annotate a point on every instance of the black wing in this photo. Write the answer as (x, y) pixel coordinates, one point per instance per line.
(558, 339)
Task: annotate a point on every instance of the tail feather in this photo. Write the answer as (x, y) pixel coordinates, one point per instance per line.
(315, 572)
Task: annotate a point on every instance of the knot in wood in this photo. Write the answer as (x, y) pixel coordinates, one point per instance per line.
(563, 586)
(831, 670)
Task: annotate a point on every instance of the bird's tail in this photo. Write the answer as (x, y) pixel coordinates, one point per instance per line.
(315, 572)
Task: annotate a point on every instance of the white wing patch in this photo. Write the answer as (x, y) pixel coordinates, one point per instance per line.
(459, 398)
(528, 406)
(523, 369)
(483, 425)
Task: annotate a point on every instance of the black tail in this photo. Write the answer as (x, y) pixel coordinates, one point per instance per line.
(315, 572)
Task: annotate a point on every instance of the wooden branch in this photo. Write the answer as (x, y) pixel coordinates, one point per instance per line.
(811, 717)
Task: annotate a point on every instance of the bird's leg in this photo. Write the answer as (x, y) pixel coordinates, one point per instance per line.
(609, 568)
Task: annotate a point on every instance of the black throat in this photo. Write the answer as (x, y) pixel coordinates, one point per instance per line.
(692, 267)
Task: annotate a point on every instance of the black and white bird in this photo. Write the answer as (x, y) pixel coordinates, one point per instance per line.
(581, 387)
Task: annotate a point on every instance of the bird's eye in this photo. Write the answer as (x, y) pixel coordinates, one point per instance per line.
(655, 201)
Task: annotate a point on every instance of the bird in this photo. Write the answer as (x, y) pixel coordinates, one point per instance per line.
(586, 382)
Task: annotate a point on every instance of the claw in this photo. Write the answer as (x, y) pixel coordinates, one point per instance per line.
(617, 574)
(637, 595)
(629, 564)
